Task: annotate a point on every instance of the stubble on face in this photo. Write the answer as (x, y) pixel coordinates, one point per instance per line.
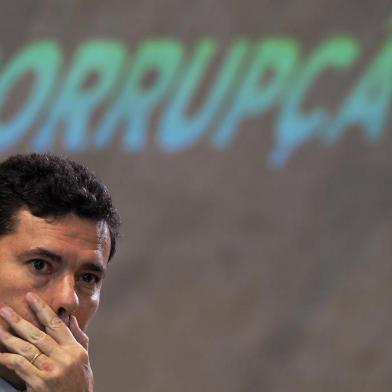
(77, 242)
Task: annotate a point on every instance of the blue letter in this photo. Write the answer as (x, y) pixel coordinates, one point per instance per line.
(75, 103)
(43, 59)
(254, 96)
(177, 132)
(136, 102)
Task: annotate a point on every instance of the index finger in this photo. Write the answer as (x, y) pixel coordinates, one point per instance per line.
(54, 325)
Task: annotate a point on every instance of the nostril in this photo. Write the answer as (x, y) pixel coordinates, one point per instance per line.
(62, 313)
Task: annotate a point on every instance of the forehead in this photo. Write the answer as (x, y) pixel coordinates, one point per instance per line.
(70, 233)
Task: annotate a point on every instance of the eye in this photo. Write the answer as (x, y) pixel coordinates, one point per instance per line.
(90, 278)
(40, 265)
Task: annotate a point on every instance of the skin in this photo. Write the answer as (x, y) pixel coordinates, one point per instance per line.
(51, 273)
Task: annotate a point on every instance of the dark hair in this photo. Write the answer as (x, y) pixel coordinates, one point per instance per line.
(52, 186)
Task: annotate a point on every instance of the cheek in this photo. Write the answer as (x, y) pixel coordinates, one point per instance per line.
(20, 306)
(13, 295)
(86, 312)
(15, 282)
(13, 291)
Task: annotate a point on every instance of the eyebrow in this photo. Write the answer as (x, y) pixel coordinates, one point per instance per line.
(95, 268)
(42, 252)
(55, 257)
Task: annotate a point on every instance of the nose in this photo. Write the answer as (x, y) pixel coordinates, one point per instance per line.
(64, 299)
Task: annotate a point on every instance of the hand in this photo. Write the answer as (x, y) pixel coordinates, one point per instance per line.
(62, 364)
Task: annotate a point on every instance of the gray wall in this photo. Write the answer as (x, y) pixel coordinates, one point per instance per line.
(239, 270)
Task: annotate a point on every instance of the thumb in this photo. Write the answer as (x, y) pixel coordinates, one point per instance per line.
(78, 334)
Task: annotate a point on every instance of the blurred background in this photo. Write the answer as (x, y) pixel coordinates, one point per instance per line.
(247, 146)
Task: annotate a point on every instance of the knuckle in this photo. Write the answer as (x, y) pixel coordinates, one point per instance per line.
(55, 322)
(52, 371)
(82, 356)
(76, 358)
(68, 361)
(29, 351)
(56, 374)
(19, 361)
(53, 376)
(47, 366)
(37, 336)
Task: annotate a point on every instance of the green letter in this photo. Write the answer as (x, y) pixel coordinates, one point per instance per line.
(255, 96)
(43, 59)
(136, 102)
(178, 130)
(369, 101)
(294, 127)
(75, 103)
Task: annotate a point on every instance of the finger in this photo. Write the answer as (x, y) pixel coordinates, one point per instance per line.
(79, 335)
(20, 346)
(29, 332)
(24, 369)
(53, 324)
(26, 350)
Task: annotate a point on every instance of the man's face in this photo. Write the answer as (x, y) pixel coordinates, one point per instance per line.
(62, 260)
